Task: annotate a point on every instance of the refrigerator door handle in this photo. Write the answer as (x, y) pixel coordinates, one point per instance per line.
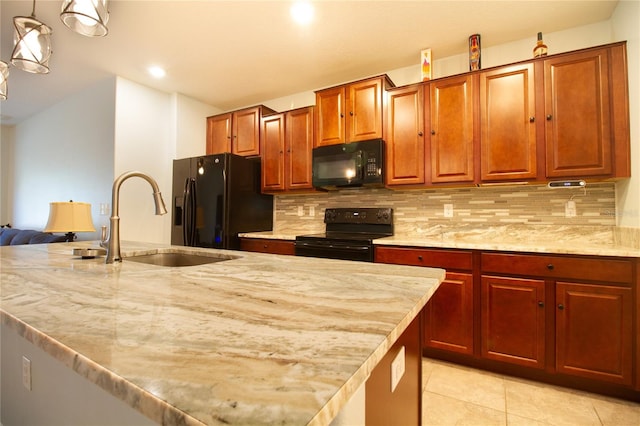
(188, 212)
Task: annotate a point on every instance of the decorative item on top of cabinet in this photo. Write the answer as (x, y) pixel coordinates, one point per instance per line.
(350, 112)
(237, 132)
(452, 124)
(586, 113)
(404, 136)
(287, 143)
(508, 122)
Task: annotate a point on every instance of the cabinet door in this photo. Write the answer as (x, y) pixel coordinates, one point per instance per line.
(364, 110)
(513, 320)
(577, 109)
(246, 132)
(273, 140)
(299, 145)
(594, 331)
(329, 116)
(451, 124)
(219, 134)
(404, 136)
(507, 114)
(448, 316)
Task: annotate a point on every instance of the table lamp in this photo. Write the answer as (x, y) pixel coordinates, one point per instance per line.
(69, 217)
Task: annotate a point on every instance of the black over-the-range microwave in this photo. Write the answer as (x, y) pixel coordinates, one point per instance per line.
(350, 164)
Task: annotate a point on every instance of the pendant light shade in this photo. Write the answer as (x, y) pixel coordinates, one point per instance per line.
(32, 45)
(4, 74)
(86, 17)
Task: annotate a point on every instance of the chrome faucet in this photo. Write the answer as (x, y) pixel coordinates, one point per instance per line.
(113, 247)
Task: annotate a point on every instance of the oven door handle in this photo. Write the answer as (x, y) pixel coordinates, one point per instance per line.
(332, 246)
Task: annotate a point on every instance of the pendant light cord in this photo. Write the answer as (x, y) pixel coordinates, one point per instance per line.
(33, 10)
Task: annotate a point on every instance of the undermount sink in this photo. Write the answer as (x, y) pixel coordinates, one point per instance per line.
(176, 259)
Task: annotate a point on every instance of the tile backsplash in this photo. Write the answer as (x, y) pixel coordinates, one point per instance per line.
(420, 211)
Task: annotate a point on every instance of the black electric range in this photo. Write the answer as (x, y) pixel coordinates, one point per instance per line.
(349, 234)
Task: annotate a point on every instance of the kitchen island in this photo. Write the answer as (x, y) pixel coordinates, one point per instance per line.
(254, 339)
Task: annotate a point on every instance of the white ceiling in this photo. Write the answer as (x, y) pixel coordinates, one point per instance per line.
(231, 54)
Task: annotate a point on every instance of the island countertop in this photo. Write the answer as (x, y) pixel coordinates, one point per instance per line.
(258, 339)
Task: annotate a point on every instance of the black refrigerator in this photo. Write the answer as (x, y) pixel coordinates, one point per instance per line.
(215, 197)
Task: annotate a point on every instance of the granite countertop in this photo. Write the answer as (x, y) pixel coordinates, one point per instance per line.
(540, 239)
(259, 339)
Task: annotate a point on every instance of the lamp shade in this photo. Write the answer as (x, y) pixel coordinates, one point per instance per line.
(86, 17)
(32, 48)
(4, 74)
(69, 217)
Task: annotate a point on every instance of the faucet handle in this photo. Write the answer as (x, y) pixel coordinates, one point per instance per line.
(103, 237)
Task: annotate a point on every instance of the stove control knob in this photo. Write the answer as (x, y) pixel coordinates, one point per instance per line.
(383, 215)
(329, 215)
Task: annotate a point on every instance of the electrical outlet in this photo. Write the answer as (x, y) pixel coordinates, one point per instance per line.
(26, 373)
(312, 211)
(300, 211)
(448, 210)
(397, 369)
(570, 209)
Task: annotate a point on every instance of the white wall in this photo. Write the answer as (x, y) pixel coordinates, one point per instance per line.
(144, 142)
(7, 160)
(64, 153)
(625, 27)
(191, 127)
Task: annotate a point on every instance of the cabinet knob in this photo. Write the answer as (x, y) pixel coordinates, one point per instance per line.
(549, 117)
(532, 119)
(561, 306)
(341, 115)
(433, 132)
(265, 246)
(420, 133)
(420, 258)
(351, 113)
(541, 304)
(550, 266)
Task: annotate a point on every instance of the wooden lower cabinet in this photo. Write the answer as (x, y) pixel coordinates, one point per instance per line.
(513, 320)
(594, 331)
(563, 319)
(267, 245)
(448, 316)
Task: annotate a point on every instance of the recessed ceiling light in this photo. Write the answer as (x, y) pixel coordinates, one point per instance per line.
(156, 72)
(302, 12)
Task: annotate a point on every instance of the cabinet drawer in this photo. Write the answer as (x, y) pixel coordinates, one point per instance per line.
(265, 245)
(447, 259)
(595, 269)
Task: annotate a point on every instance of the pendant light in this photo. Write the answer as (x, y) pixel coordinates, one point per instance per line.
(4, 74)
(86, 17)
(32, 44)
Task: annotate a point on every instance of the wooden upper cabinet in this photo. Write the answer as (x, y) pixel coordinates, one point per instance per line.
(299, 145)
(351, 112)
(237, 132)
(508, 129)
(578, 114)
(219, 134)
(451, 127)
(404, 136)
(273, 146)
(287, 142)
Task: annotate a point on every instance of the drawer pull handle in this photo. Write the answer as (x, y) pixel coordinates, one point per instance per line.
(550, 266)
(420, 258)
(561, 306)
(541, 304)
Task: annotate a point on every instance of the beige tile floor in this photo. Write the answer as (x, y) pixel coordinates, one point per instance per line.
(458, 395)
